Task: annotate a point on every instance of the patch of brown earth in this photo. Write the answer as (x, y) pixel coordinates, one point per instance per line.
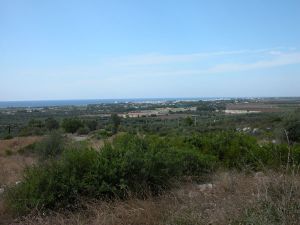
(17, 143)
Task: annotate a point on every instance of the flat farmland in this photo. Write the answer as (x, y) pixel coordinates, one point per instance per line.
(260, 107)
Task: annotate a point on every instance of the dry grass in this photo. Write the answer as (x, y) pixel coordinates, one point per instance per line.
(98, 144)
(12, 168)
(235, 198)
(17, 143)
(13, 164)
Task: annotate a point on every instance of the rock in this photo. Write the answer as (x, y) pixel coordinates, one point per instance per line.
(259, 174)
(255, 130)
(1, 191)
(261, 177)
(203, 187)
(18, 182)
(193, 194)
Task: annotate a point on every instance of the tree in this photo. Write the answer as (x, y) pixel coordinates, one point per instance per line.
(116, 120)
(188, 121)
(294, 132)
(51, 146)
(35, 123)
(92, 124)
(71, 125)
(51, 124)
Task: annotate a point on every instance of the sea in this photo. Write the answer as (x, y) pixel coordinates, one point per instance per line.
(84, 102)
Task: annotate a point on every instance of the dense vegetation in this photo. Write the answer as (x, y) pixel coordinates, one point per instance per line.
(139, 165)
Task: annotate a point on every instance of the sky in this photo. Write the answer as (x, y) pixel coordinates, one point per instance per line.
(100, 49)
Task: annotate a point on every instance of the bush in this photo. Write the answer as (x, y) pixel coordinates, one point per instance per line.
(28, 131)
(130, 165)
(116, 121)
(51, 124)
(241, 151)
(83, 131)
(54, 184)
(188, 121)
(50, 147)
(8, 137)
(137, 165)
(35, 123)
(91, 124)
(71, 125)
(294, 132)
(102, 134)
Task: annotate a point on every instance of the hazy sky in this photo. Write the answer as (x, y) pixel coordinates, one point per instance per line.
(69, 49)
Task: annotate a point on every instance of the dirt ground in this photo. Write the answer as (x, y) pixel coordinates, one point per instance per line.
(17, 143)
(254, 107)
(12, 164)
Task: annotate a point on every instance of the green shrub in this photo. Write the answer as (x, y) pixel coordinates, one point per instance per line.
(54, 184)
(137, 165)
(83, 130)
(91, 124)
(8, 137)
(237, 150)
(116, 121)
(294, 131)
(102, 134)
(51, 124)
(28, 131)
(130, 165)
(51, 146)
(71, 125)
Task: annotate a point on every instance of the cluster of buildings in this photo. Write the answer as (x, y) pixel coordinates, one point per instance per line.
(156, 112)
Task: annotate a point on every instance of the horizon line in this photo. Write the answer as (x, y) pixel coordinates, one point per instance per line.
(150, 98)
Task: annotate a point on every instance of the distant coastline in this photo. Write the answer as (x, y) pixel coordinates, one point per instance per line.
(84, 102)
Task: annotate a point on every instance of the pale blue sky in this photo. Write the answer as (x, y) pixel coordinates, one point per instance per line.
(63, 49)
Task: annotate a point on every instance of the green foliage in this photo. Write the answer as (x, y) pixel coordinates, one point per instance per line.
(231, 149)
(51, 123)
(91, 124)
(294, 131)
(71, 125)
(34, 127)
(56, 183)
(116, 121)
(7, 137)
(101, 134)
(241, 151)
(50, 147)
(139, 165)
(83, 130)
(188, 121)
(35, 123)
(130, 165)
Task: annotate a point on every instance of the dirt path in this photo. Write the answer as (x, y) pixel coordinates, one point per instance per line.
(17, 143)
